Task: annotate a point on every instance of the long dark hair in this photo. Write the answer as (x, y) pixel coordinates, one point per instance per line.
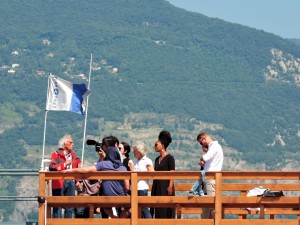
(126, 148)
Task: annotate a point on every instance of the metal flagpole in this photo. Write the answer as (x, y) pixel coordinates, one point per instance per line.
(45, 125)
(86, 111)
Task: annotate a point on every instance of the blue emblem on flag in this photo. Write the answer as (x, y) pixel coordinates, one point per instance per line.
(56, 91)
(66, 96)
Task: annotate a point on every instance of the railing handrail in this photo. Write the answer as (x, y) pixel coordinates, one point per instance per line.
(219, 202)
(19, 172)
(177, 175)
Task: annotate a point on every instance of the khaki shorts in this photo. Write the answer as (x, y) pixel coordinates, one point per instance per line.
(210, 189)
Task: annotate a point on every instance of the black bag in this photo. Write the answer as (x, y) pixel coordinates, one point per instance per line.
(268, 193)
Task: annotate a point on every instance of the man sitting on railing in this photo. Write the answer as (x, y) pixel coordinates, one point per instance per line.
(198, 186)
(111, 162)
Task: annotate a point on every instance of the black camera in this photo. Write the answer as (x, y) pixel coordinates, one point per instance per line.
(97, 144)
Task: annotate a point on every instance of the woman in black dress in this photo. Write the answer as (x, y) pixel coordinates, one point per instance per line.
(165, 162)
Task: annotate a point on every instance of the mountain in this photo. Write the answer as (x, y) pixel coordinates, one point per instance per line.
(154, 67)
(296, 41)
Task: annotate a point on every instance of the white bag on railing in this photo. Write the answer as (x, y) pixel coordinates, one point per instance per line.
(257, 191)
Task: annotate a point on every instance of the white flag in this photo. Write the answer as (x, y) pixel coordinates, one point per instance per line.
(66, 96)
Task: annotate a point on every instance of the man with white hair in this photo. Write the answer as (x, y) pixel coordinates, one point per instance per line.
(62, 159)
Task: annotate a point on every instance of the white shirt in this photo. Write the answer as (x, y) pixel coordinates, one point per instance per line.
(214, 157)
(141, 165)
(68, 156)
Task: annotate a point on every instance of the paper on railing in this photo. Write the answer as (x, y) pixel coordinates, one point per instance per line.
(257, 191)
(252, 209)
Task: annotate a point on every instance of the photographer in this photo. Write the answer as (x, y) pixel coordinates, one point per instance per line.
(111, 162)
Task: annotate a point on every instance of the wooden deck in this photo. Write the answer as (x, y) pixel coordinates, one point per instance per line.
(231, 204)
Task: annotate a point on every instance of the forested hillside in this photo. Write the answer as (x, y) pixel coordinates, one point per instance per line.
(296, 41)
(154, 67)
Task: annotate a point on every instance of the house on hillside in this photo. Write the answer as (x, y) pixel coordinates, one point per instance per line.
(40, 72)
(46, 42)
(15, 53)
(10, 71)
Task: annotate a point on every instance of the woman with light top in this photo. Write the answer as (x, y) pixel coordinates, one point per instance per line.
(143, 163)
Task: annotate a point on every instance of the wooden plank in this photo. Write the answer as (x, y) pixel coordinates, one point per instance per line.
(87, 221)
(258, 222)
(194, 210)
(127, 221)
(179, 186)
(261, 175)
(279, 211)
(273, 187)
(108, 200)
(102, 175)
(59, 175)
(241, 212)
(177, 175)
(268, 201)
(244, 187)
(171, 201)
(77, 201)
(176, 221)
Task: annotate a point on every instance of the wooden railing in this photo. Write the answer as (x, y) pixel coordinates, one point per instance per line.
(230, 199)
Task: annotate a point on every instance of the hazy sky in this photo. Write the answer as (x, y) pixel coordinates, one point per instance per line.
(280, 17)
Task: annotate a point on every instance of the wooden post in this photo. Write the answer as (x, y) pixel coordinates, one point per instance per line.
(178, 211)
(244, 216)
(48, 187)
(134, 199)
(41, 210)
(218, 199)
(91, 210)
(262, 211)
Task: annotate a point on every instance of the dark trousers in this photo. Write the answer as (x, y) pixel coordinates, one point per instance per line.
(56, 210)
(67, 190)
(145, 210)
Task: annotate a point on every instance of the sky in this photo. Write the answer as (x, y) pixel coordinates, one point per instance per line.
(280, 17)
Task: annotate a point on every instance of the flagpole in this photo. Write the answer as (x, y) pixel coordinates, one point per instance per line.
(45, 125)
(86, 111)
